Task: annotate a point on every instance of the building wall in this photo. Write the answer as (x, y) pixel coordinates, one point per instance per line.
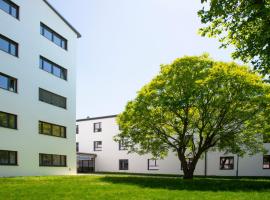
(107, 160)
(25, 104)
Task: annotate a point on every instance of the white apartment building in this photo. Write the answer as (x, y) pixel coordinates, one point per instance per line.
(37, 90)
(95, 141)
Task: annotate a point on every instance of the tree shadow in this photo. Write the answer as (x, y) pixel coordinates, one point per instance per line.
(197, 184)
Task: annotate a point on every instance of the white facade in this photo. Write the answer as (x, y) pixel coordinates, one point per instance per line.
(107, 160)
(25, 104)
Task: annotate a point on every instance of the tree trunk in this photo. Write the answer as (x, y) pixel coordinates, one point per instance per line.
(188, 174)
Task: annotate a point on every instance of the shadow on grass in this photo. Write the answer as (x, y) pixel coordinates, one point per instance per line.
(198, 184)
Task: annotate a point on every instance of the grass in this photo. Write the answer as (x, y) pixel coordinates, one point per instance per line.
(106, 187)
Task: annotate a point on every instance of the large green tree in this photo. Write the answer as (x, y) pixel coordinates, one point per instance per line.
(245, 24)
(196, 104)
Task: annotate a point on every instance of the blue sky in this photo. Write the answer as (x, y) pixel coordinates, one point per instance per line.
(123, 44)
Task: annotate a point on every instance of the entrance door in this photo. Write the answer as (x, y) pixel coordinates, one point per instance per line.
(86, 166)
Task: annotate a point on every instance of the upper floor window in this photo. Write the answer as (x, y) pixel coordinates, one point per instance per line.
(52, 68)
(8, 83)
(77, 129)
(123, 164)
(53, 36)
(77, 146)
(52, 160)
(53, 99)
(226, 163)
(152, 164)
(46, 128)
(266, 162)
(97, 127)
(10, 8)
(8, 120)
(123, 144)
(8, 157)
(9, 46)
(97, 145)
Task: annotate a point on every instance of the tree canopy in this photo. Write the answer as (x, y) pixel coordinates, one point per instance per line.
(243, 24)
(196, 104)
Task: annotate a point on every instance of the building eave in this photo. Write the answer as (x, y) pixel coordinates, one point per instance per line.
(95, 118)
(66, 22)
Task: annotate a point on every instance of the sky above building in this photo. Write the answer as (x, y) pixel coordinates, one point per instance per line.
(123, 44)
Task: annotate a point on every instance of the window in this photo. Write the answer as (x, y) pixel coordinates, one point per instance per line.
(97, 127)
(51, 98)
(8, 120)
(226, 163)
(52, 160)
(46, 128)
(8, 46)
(77, 129)
(77, 146)
(152, 164)
(123, 164)
(8, 83)
(52, 68)
(97, 145)
(266, 162)
(53, 36)
(189, 161)
(122, 145)
(10, 8)
(266, 138)
(8, 157)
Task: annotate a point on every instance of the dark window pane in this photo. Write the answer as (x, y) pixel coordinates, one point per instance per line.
(12, 121)
(4, 6)
(4, 157)
(48, 34)
(56, 131)
(63, 74)
(4, 45)
(46, 128)
(13, 85)
(56, 71)
(57, 40)
(3, 82)
(63, 132)
(3, 119)
(14, 12)
(47, 66)
(12, 158)
(63, 160)
(46, 159)
(64, 44)
(56, 160)
(13, 49)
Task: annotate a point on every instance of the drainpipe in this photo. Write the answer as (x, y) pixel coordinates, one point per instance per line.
(237, 166)
(205, 164)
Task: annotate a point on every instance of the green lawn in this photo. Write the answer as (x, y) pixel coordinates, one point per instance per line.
(106, 187)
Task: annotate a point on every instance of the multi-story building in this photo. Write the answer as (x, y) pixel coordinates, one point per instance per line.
(95, 138)
(37, 90)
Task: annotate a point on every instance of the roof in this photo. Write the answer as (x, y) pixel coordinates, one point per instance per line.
(94, 118)
(66, 22)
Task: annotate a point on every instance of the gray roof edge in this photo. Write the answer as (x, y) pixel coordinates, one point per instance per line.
(94, 118)
(59, 15)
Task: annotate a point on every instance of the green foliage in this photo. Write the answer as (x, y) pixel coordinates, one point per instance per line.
(243, 24)
(195, 104)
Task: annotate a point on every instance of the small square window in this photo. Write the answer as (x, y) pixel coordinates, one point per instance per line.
(97, 145)
(97, 127)
(266, 162)
(152, 164)
(123, 164)
(226, 163)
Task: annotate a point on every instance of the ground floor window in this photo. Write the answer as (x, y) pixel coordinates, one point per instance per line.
(266, 162)
(52, 160)
(226, 163)
(123, 164)
(8, 157)
(152, 164)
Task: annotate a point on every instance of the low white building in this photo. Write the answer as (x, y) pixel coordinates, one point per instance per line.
(95, 138)
(37, 90)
